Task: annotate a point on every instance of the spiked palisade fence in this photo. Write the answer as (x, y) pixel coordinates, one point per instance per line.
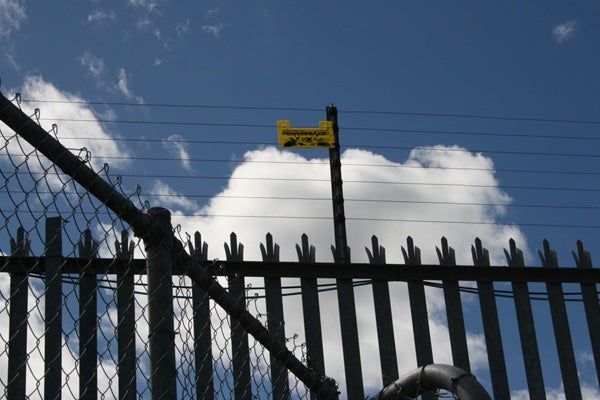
(82, 317)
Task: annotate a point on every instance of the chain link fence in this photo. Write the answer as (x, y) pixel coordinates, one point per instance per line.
(85, 330)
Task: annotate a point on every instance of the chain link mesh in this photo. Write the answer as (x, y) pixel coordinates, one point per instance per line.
(33, 190)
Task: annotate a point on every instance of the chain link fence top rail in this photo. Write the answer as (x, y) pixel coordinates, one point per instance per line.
(48, 217)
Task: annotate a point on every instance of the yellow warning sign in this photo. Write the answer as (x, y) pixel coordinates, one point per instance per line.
(306, 137)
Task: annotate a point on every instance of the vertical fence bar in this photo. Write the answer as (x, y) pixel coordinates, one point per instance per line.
(88, 323)
(418, 311)
(126, 321)
(583, 259)
(491, 325)
(383, 318)
(529, 345)
(158, 243)
(53, 310)
(350, 342)
(311, 312)
(454, 311)
(239, 336)
(203, 360)
(562, 332)
(275, 321)
(17, 325)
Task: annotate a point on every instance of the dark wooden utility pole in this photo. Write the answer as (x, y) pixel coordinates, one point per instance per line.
(346, 302)
(337, 195)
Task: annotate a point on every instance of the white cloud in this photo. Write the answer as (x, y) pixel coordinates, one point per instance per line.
(148, 5)
(565, 31)
(169, 198)
(212, 12)
(93, 64)
(175, 145)
(143, 23)
(292, 177)
(183, 28)
(588, 392)
(157, 61)
(424, 177)
(123, 86)
(99, 17)
(12, 13)
(75, 116)
(214, 30)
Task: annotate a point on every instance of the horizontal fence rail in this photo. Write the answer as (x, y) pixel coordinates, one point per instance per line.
(109, 275)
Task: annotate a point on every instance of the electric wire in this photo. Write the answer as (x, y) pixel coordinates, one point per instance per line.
(349, 218)
(341, 111)
(342, 128)
(295, 290)
(357, 200)
(365, 165)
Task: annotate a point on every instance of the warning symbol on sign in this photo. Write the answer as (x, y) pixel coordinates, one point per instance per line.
(306, 137)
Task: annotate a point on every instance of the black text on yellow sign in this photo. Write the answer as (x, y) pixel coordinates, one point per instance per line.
(306, 137)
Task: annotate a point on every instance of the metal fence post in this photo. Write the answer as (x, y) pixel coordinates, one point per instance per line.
(529, 345)
(88, 319)
(383, 318)
(491, 325)
(126, 320)
(17, 328)
(158, 242)
(454, 311)
(203, 360)
(275, 320)
(242, 386)
(562, 331)
(53, 310)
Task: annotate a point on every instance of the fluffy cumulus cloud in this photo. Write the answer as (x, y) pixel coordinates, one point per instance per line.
(12, 13)
(72, 116)
(169, 198)
(437, 191)
(565, 31)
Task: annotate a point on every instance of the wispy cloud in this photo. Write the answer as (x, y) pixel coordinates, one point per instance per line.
(175, 144)
(12, 13)
(214, 30)
(183, 28)
(99, 17)
(148, 5)
(123, 86)
(72, 108)
(168, 197)
(143, 23)
(212, 12)
(93, 64)
(565, 31)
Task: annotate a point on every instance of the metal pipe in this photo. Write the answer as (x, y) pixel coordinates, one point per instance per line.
(433, 377)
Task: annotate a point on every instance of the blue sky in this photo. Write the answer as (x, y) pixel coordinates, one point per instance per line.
(490, 109)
